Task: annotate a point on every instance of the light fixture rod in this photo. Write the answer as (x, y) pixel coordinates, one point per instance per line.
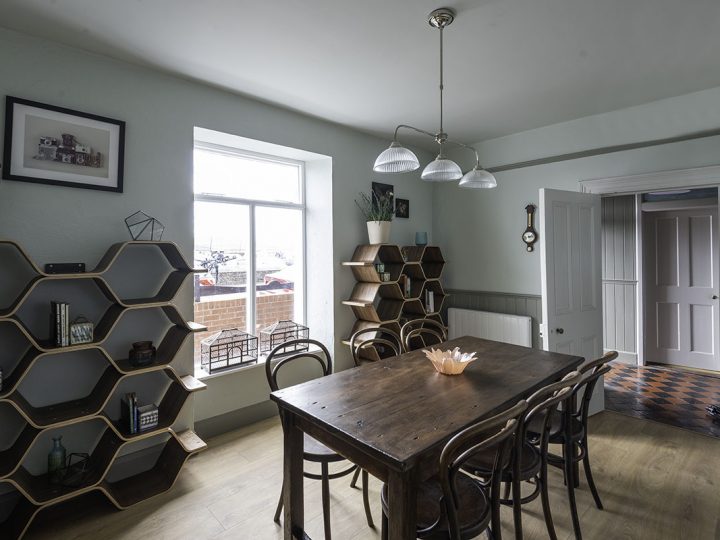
(441, 83)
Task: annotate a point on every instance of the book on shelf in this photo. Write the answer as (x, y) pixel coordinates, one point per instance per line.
(136, 418)
(60, 323)
(429, 301)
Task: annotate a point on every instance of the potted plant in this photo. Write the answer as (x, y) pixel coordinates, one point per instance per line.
(378, 212)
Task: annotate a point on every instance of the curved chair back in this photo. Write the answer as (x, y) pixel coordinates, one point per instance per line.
(324, 359)
(384, 341)
(542, 405)
(590, 374)
(422, 333)
(495, 432)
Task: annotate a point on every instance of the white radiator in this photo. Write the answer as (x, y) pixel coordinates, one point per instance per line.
(515, 329)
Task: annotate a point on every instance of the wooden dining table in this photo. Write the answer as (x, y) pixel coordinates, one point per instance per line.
(393, 417)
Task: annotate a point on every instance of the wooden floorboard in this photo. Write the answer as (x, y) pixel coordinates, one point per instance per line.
(657, 482)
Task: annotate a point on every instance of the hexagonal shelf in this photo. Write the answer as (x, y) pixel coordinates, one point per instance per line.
(24, 299)
(413, 271)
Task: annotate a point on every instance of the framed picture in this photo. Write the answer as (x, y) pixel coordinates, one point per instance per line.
(382, 191)
(45, 144)
(402, 208)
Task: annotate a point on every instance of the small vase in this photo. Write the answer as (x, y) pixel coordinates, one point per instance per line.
(56, 461)
(378, 232)
(421, 239)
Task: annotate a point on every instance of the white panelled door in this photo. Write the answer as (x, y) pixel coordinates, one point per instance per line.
(571, 266)
(681, 288)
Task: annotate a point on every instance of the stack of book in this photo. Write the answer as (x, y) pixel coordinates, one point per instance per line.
(136, 419)
(60, 323)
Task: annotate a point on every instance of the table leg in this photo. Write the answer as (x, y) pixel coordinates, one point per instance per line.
(294, 516)
(402, 509)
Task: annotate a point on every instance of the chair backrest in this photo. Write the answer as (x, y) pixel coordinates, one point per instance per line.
(542, 405)
(591, 372)
(383, 341)
(421, 333)
(322, 357)
(495, 432)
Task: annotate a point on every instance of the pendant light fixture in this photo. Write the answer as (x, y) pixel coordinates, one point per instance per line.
(398, 159)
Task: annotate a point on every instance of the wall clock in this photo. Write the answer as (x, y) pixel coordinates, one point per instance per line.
(530, 235)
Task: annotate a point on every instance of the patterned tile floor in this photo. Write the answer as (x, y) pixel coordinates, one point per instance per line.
(671, 396)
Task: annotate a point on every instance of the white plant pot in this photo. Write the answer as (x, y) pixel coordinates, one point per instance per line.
(379, 232)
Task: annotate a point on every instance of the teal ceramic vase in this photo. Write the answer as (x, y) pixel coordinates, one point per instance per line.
(56, 461)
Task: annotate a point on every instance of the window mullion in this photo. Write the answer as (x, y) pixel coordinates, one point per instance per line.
(251, 292)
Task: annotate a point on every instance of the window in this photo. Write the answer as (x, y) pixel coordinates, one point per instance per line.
(249, 221)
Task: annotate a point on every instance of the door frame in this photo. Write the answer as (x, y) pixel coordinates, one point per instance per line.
(637, 184)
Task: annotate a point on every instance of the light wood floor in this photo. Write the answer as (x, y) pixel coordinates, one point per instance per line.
(657, 482)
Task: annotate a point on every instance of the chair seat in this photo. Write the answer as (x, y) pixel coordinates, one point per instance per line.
(482, 463)
(317, 452)
(557, 433)
(474, 508)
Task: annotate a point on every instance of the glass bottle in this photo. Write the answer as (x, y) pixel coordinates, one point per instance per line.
(56, 461)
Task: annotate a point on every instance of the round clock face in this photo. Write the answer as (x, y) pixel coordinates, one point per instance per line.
(528, 236)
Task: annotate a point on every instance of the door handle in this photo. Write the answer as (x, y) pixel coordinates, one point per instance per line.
(715, 296)
(560, 330)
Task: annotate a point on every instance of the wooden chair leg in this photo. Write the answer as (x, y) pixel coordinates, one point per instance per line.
(545, 499)
(366, 499)
(384, 527)
(353, 482)
(326, 500)
(570, 483)
(589, 476)
(280, 505)
(517, 508)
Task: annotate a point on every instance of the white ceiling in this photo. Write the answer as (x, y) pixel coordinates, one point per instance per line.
(511, 65)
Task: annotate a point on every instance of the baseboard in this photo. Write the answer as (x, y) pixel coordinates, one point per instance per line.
(217, 425)
(626, 357)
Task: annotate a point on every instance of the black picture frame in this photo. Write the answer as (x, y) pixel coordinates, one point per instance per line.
(381, 191)
(72, 167)
(402, 208)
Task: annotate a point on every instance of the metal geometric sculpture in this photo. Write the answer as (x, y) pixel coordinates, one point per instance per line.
(144, 227)
(280, 332)
(228, 349)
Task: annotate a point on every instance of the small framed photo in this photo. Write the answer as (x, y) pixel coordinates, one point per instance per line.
(402, 208)
(45, 144)
(382, 191)
(81, 331)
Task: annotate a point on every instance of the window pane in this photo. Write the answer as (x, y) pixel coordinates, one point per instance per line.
(245, 177)
(278, 266)
(221, 247)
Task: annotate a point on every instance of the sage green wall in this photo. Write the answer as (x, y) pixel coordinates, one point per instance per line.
(480, 230)
(63, 224)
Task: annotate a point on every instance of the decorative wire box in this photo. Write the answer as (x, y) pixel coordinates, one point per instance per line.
(280, 332)
(228, 349)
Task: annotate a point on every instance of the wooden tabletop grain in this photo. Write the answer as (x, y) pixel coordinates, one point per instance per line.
(399, 408)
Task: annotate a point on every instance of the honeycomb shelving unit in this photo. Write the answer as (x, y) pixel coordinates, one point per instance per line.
(31, 493)
(378, 303)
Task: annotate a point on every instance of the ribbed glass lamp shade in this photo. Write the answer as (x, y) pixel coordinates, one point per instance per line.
(396, 159)
(441, 169)
(478, 178)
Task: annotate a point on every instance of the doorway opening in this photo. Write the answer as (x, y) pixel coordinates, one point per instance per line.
(661, 271)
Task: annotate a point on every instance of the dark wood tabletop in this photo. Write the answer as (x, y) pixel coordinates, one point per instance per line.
(389, 415)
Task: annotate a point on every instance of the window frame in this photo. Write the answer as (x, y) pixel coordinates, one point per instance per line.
(252, 204)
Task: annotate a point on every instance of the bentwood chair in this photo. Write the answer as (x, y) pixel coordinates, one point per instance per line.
(370, 345)
(314, 451)
(569, 427)
(452, 504)
(375, 343)
(528, 462)
(421, 333)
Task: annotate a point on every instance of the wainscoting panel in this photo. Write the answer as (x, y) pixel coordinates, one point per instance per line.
(513, 304)
(619, 275)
